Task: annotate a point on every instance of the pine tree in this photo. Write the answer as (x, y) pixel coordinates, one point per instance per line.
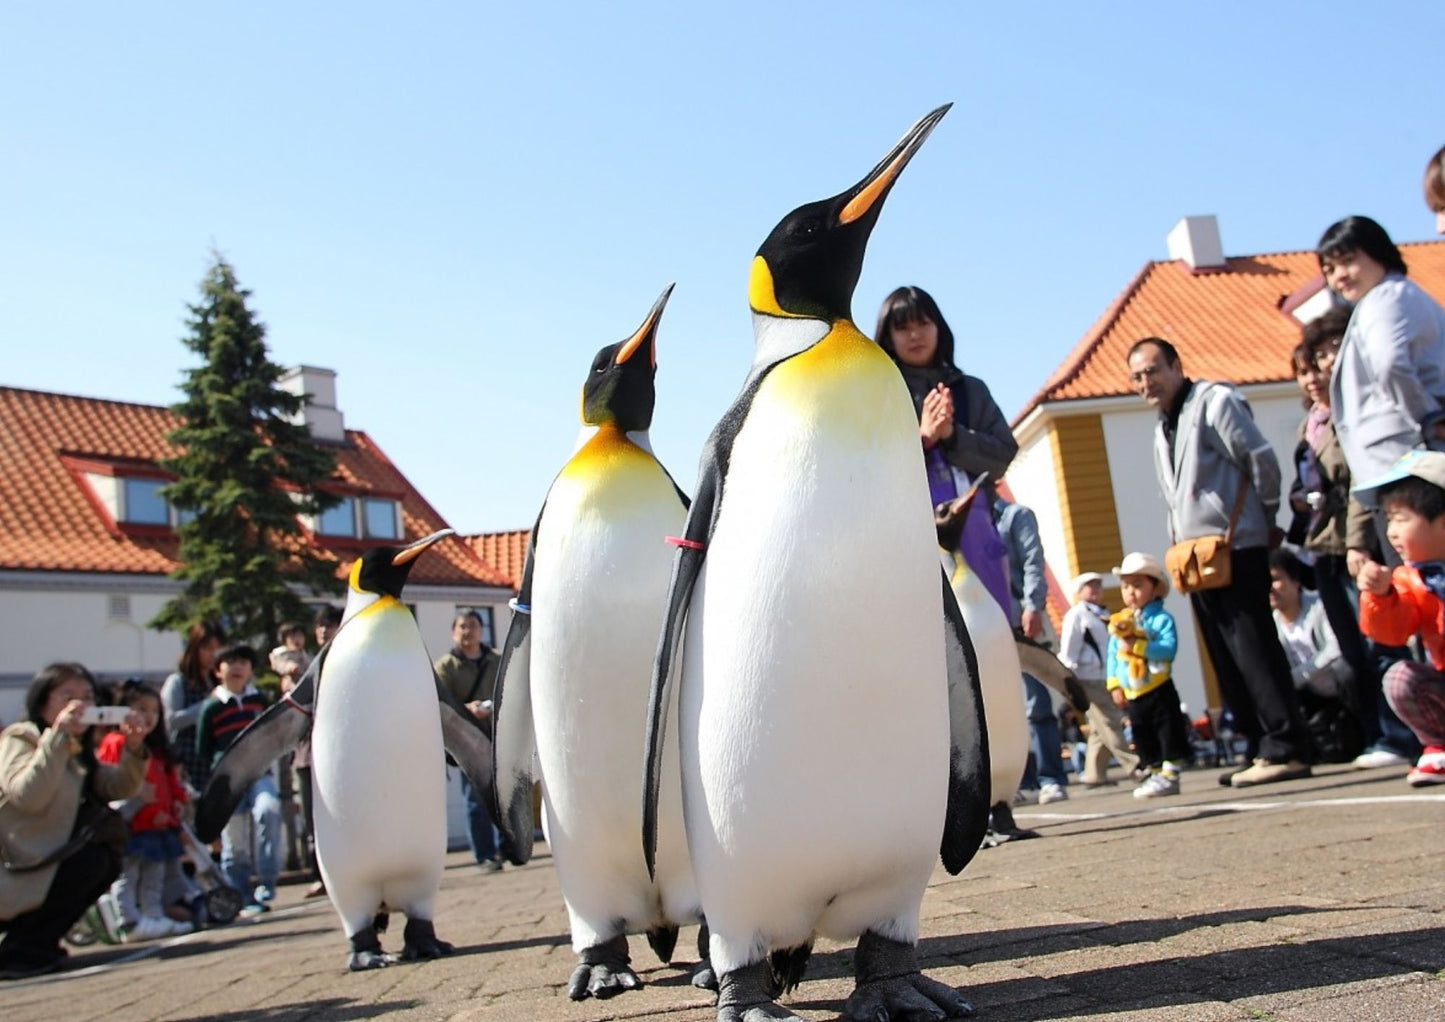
(243, 474)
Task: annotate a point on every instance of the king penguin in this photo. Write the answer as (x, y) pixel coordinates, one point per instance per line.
(573, 682)
(830, 724)
(370, 700)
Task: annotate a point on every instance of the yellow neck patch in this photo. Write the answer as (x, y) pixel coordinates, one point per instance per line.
(761, 295)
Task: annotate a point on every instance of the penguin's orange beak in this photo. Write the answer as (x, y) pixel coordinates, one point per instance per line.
(646, 333)
(871, 190)
(411, 552)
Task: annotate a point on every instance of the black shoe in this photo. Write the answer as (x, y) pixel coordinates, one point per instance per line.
(23, 967)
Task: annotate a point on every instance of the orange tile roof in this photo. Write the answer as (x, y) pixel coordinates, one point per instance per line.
(49, 520)
(504, 551)
(1227, 323)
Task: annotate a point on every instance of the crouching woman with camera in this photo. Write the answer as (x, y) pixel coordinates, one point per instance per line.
(58, 837)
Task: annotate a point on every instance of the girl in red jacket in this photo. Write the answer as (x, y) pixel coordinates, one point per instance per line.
(153, 857)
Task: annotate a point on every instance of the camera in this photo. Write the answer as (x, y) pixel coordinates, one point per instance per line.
(104, 714)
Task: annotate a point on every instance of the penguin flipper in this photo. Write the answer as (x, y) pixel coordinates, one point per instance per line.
(465, 738)
(686, 565)
(1038, 661)
(514, 739)
(968, 775)
(277, 731)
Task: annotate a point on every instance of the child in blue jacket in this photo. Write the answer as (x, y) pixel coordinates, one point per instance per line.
(1142, 645)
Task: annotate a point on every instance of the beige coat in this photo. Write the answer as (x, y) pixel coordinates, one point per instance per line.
(41, 783)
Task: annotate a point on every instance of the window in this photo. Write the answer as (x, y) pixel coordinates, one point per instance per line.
(143, 503)
(339, 520)
(379, 518)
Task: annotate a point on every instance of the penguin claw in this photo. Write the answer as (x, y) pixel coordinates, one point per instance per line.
(765, 1012)
(422, 941)
(601, 981)
(912, 997)
(703, 976)
(361, 961)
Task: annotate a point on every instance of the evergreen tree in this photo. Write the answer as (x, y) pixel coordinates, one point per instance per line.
(243, 474)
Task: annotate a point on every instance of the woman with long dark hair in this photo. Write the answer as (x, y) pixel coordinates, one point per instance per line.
(185, 690)
(963, 432)
(51, 870)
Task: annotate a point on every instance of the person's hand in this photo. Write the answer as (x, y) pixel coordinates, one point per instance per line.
(481, 710)
(945, 400)
(134, 729)
(1355, 559)
(68, 719)
(935, 419)
(1374, 578)
(1118, 696)
(1033, 623)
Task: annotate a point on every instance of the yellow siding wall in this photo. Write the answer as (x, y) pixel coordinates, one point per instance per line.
(1086, 495)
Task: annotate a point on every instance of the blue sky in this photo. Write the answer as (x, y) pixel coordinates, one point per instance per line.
(455, 205)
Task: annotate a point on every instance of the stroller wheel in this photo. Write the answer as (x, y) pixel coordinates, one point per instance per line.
(80, 935)
(223, 904)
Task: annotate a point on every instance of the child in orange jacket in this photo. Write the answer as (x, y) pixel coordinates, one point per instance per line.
(1398, 605)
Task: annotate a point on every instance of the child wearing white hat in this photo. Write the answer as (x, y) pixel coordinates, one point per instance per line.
(1083, 640)
(1142, 644)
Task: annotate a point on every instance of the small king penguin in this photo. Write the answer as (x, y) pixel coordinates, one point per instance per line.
(379, 721)
(830, 724)
(573, 684)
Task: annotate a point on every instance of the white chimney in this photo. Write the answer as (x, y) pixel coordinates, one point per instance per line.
(1195, 239)
(320, 415)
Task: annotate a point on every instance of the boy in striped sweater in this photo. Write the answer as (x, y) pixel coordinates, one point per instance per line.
(225, 714)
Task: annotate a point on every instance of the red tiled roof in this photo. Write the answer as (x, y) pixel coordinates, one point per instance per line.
(504, 551)
(1226, 322)
(50, 521)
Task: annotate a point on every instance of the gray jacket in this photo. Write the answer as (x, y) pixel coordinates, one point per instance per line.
(1019, 529)
(1389, 374)
(1216, 447)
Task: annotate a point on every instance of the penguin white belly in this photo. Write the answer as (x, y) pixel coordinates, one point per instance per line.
(1000, 678)
(377, 768)
(813, 704)
(600, 576)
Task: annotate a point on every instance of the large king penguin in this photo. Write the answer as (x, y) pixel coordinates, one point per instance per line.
(575, 671)
(829, 716)
(370, 701)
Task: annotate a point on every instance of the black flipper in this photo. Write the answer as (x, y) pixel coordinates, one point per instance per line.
(465, 738)
(968, 775)
(274, 733)
(514, 740)
(1038, 661)
(686, 566)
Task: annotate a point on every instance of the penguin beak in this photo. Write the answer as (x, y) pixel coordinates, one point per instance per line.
(870, 192)
(409, 553)
(647, 332)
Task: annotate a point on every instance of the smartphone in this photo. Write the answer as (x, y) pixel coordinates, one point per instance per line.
(104, 714)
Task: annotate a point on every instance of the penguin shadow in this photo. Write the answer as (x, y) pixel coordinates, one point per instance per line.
(1227, 974)
(333, 1009)
(497, 946)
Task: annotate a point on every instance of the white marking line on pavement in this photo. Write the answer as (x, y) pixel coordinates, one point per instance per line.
(152, 947)
(1235, 807)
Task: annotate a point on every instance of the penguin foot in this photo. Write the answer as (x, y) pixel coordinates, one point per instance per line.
(1002, 828)
(663, 941)
(366, 952)
(603, 971)
(891, 987)
(421, 941)
(744, 995)
(703, 977)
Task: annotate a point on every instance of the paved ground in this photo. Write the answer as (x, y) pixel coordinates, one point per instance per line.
(1312, 901)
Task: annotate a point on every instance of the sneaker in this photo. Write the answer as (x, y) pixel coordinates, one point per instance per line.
(1373, 759)
(1052, 792)
(316, 890)
(1026, 796)
(1156, 785)
(490, 865)
(1430, 769)
(180, 927)
(149, 928)
(1267, 772)
(252, 910)
(264, 893)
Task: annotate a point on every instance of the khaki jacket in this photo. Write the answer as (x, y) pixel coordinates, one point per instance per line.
(41, 783)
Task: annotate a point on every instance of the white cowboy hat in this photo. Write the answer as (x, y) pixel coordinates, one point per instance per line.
(1143, 564)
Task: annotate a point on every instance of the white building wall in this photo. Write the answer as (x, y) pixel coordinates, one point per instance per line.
(1032, 480)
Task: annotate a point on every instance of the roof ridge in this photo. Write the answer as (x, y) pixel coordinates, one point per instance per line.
(84, 397)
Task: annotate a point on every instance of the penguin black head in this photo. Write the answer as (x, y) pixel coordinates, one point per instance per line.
(619, 389)
(383, 570)
(810, 263)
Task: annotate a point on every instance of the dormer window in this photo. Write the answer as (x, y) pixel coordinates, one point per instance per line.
(141, 502)
(362, 518)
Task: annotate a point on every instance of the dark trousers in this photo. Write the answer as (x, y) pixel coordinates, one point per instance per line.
(303, 781)
(1251, 666)
(34, 937)
(1159, 729)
